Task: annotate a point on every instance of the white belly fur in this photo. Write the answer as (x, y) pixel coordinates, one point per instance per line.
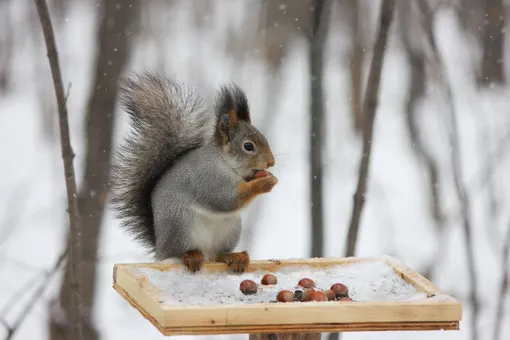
(211, 230)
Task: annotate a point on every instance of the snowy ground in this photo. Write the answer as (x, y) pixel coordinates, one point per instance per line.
(396, 219)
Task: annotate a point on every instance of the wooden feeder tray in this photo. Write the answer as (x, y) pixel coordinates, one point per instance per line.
(442, 313)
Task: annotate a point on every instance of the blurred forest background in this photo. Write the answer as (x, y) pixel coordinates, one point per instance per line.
(435, 122)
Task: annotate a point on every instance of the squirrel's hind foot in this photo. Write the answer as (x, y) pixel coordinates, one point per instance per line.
(192, 260)
(236, 262)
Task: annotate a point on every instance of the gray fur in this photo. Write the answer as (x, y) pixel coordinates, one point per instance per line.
(201, 189)
(175, 183)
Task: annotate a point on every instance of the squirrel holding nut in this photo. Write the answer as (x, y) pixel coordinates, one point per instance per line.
(185, 172)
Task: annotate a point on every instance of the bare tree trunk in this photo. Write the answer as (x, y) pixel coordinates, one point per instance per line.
(114, 48)
(369, 109)
(75, 230)
(281, 22)
(493, 37)
(356, 65)
(319, 31)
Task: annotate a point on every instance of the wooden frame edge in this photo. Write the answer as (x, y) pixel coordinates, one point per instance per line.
(411, 276)
(214, 266)
(417, 280)
(320, 328)
(139, 308)
(144, 290)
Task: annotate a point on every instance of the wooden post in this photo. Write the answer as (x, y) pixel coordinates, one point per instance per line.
(285, 336)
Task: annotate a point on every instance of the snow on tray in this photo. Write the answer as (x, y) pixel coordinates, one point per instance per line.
(367, 281)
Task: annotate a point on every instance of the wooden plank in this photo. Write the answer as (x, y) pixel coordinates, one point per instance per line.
(268, 265)
(309, 313)
(430, 314)
(295, 328)
(320, 328)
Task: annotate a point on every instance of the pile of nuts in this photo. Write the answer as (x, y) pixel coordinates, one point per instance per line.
(305, 291)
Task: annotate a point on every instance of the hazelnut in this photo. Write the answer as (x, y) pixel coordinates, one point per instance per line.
(248, 287)
(319, 296)
(268, 279)
(340, 290)
(260, 174)
(307, 294)
(306, 283)
(330, 294)
(285, 296)
(345, 298)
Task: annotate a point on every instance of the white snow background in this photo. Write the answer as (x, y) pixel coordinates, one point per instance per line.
(396, 219)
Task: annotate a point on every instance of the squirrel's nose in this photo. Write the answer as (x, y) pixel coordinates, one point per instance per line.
(270, 162)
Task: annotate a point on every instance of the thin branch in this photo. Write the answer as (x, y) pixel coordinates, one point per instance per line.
(370, 103)
(484, 178)
(416, 59)
(505, 268)
(5, 324)
(493, 207)
(68, 92)
(67, 155)
(20, 264)
(16, 297)
(36, 296)
(460, 186)
(495, 158)
(12, 214)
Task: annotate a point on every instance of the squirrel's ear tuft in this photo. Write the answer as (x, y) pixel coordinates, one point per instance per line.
(232, 101)
(225, 123)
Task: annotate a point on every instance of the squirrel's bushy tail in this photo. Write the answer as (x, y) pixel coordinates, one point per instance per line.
(167, 119)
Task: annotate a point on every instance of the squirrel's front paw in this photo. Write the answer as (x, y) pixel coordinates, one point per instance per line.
(266, 183)
(192, 260)
(236, 262)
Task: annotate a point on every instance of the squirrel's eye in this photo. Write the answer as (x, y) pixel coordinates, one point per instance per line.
(249, 146)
